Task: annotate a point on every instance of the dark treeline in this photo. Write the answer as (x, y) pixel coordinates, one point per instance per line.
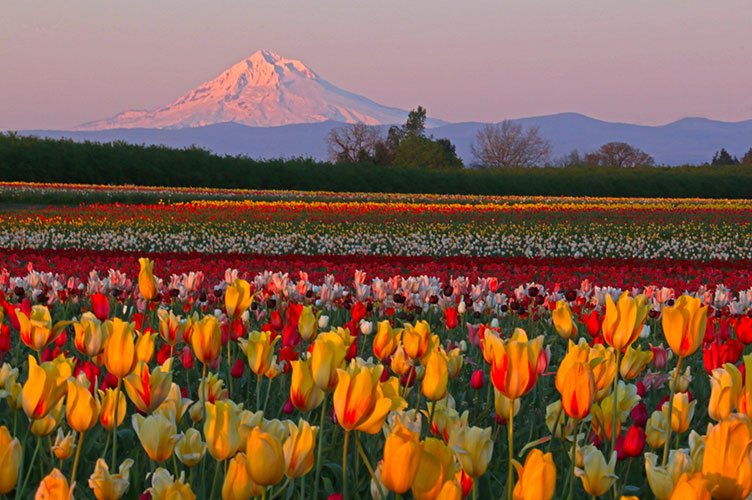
(47, 160)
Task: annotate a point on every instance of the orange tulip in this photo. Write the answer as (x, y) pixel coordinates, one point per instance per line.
(81, 408)
(726, 464)
(206, 339)
(238, 298)
(307, 324)
(562, 319)
(327, 356)
(386, 340)
(416, 339)
(171, 327)
(259, 349)
(515, 363)
(147, 284)
(10, 460)
(54, 486)
(437, 466)
(537, 478)
(43, 389)
(359, 400)
(623, 321)
(221, 429)
(578, 391)
(267, 466)
(145, 346)
(120, 348)
(109, 401)
(684, 325)
(436, 377)
(89, 339)
(305, 395)
(402, 457)
(148, 389)
(298, 448)
(36, 330)
(238, 484)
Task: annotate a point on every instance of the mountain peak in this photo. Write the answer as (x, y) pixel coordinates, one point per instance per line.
(265, 89)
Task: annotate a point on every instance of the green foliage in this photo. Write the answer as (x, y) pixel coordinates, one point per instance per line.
(416, 151)
(46, 160)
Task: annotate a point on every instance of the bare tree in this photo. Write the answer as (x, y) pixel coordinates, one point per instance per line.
(353, 142)
(508, 144)
(619, 154)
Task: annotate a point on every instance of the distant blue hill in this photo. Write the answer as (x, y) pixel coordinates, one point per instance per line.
(686, 141)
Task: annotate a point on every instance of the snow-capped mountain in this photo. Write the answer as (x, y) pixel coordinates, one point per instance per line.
(263, 90)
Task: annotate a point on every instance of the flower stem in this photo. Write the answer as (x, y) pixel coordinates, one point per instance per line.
(78, 454)
(206, 388)
(344, 464)
(616, 401)
(670, 411)
(318, 452)
(31, 468)
(114, 425)
(368, 466)
(510, 478)
(574, 459)
(258, 392)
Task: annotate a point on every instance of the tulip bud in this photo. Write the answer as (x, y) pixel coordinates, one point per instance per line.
(268, 464)
(64, 444)
(147, 284)
(478, 379)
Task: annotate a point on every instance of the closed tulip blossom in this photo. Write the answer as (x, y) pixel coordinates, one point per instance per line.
(206, 339)
(514, 363)
(89, 339)
(537, 478)
(634, 363)
(436, 468)
(307, 324)
(81, 409)
(578, 391)
(684, 325)
(238, 298)
(110, 401)
(221, 429)
(171, 327)
(238, 484)
(267, 465)
(298, 448)
(623, 321)
(54, 485)
(107, 486)
(327, 356)
(36, 330)
(10, 460)
(402, 454)
(147, 284)
(386, 340)
(726, 388)
(120, 348)
(562, 319)
(682, 412)
(43, 389)
(359, 400)
(259, 350)
(436, 377)
(305, 395)
(145, 345)
(416, 339)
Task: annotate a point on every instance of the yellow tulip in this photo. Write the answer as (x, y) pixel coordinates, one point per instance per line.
(268, 464)
(327, 356)
(305, 395)
(206, 339)
(454, 359)
(148, 389)
(43, 389)
(190, 449)
(107, 486)
(602, 361)
(36, 330)
(416, 339)
(504, 406)
(238, 484)
(597, 476)
(64, 444)
(682, 381)
(655, 429)
(386, 340)
(514, 370)
(165, 487)
(120, 348)
(10, 460)
(537, 478)
(171, 327)
(145, 346)
(213, 388)
(726, 387)
(402, 455)
(451, 490)
(691, 487)
(89, 339)
(107, 411)
(663, 478)
(562, 319)
(221, 429)
(684, 325)
(726, 463)
(238, 298)
(259, 349)
(298, 448)
(681, 412)
(401, 364)
(81, 408)
(578, 391)
(634, 362)
(174, 405)
(44, 426)
(436, 467)
(359, 400)
(158, 435)
(54, 486)
(147, 284)
(556, 422)
(474, 448)
(307, 324)
(624, 319)
(436, 378)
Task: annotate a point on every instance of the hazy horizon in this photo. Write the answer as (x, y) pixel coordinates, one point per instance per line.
(638, 62)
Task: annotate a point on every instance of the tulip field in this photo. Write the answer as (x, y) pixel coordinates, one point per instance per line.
(243, 344)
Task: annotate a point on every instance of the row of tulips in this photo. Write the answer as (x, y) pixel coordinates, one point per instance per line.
(194, 403)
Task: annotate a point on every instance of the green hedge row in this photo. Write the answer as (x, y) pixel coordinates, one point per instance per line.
(46, 160)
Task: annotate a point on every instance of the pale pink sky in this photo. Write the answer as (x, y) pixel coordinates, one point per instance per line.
(642, 61)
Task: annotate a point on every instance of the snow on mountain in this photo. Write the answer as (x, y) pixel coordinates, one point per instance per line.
(263, 90)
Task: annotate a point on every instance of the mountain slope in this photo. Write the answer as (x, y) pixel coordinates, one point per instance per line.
(264, 90)
(688, 141)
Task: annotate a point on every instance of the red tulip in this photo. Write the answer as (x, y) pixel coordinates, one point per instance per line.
(478, 379)
(100, 306)
(593, 323)
(639, 414)
(357, 311)
(716, 353)
(743, 329)
(452, 317)
(237, 368)
(634, 441)
(186, 358)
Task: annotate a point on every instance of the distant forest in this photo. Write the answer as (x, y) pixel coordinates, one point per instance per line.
(25, 158)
